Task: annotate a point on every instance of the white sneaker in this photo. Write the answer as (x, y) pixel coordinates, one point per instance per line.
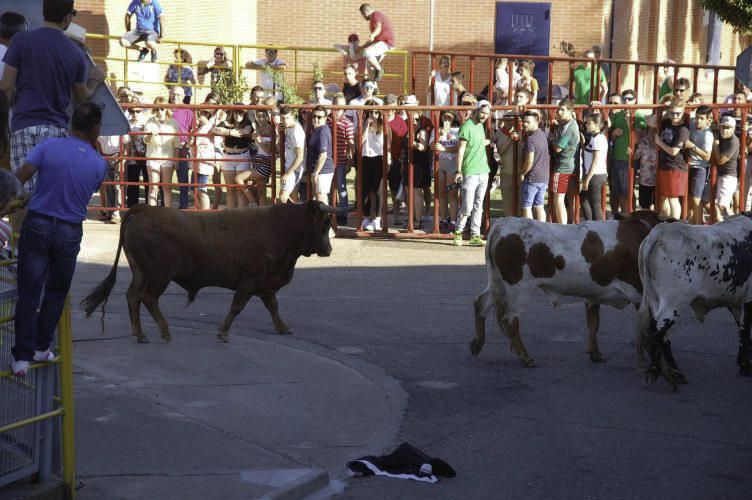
(365, 223)
(44, 356)
(377, 224)
(332, 234)
(369, 226)
(19, 368)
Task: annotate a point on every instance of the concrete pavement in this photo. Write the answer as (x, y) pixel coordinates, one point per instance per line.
(264, 415)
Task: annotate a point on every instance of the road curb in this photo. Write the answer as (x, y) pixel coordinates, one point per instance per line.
(301, 487)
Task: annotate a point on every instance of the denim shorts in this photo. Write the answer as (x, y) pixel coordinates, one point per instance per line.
(698, 176)
(532, 194)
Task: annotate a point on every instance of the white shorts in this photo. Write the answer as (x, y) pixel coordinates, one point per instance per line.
(378, 49)
(159, 164)
(324, 186)
(725, 189)
(290, 186)
(237, 166)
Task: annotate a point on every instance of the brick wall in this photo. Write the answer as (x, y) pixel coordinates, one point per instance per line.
(655, 31)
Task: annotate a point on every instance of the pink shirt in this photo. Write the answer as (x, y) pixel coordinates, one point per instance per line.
(186, 121)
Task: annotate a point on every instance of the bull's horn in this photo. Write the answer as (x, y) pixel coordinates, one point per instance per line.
(329, 209)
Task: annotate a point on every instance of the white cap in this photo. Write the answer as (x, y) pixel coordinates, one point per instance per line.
(411, 100)
(482, 103)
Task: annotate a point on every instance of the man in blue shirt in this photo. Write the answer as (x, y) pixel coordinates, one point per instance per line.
(69, 171)
(43, 68)
(149, 27)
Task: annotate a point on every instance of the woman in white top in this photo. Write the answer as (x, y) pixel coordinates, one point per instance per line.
(161, 142)
(594, 175)
(440, 84)
(446, 149)
(206, 155)
(372, 143)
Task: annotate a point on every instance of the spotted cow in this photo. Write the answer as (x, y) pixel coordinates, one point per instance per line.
(596, 261)
(704, 267)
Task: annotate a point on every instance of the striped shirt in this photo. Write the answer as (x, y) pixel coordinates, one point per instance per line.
(345, 135)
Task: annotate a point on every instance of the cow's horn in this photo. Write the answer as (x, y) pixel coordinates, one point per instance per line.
(328, 209)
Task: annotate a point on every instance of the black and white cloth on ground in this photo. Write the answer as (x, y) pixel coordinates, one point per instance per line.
(406, 462)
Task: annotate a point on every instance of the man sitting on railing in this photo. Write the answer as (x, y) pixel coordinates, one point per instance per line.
(268, 65)
(149, 27)
(380, 40)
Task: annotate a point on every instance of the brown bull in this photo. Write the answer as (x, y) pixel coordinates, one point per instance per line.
(252, 251)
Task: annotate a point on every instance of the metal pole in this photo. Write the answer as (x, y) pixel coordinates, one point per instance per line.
(435, 119)
(385, 176)
(410, 177)
(65, 344)
(743, 163)
(359, 171)
(334, 192)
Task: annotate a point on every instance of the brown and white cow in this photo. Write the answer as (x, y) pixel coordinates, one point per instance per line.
(596, 261)
(252, 251)
(703, 267)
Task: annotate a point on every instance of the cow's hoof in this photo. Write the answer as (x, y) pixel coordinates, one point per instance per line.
(676, 377)
(167, 338)
(745, 370)
(651, 376)
(142, 340)
(597, 357)
(529, 363)
(285, 332)
(223, 337)
(475, 348)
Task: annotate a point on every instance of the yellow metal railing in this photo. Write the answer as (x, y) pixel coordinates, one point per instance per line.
(296, 67)
(64, 401)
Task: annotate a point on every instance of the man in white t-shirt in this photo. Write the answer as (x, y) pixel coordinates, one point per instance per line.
(265, 65)
(10, 24)
(368, 89)
(294, 154)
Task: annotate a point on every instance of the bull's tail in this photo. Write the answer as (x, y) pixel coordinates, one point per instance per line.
(644, 314)
(101, 293)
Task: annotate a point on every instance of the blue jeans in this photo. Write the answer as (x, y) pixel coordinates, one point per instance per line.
(47, 251)
(183, 177)
(473, 193)
(340, 178)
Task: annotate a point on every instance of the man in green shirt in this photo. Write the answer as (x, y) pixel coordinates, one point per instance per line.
(582, 77)
(473, 173)
(564, 141)
(620, 133)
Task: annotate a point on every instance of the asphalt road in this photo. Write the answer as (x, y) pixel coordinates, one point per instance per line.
(569, 428)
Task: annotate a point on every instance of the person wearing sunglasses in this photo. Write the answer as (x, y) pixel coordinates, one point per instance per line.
(219, 68)
(44, 71)
(672, 173)
(682, 89)
(620, 132)
(319, 155)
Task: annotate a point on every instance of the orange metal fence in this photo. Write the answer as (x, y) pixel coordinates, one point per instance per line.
(434, 113)
(477, 63)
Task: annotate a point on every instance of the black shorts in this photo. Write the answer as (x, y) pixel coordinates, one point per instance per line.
(373, 172)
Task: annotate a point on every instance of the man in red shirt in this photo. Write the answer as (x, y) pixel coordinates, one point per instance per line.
(399, 138)
(380, 39)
